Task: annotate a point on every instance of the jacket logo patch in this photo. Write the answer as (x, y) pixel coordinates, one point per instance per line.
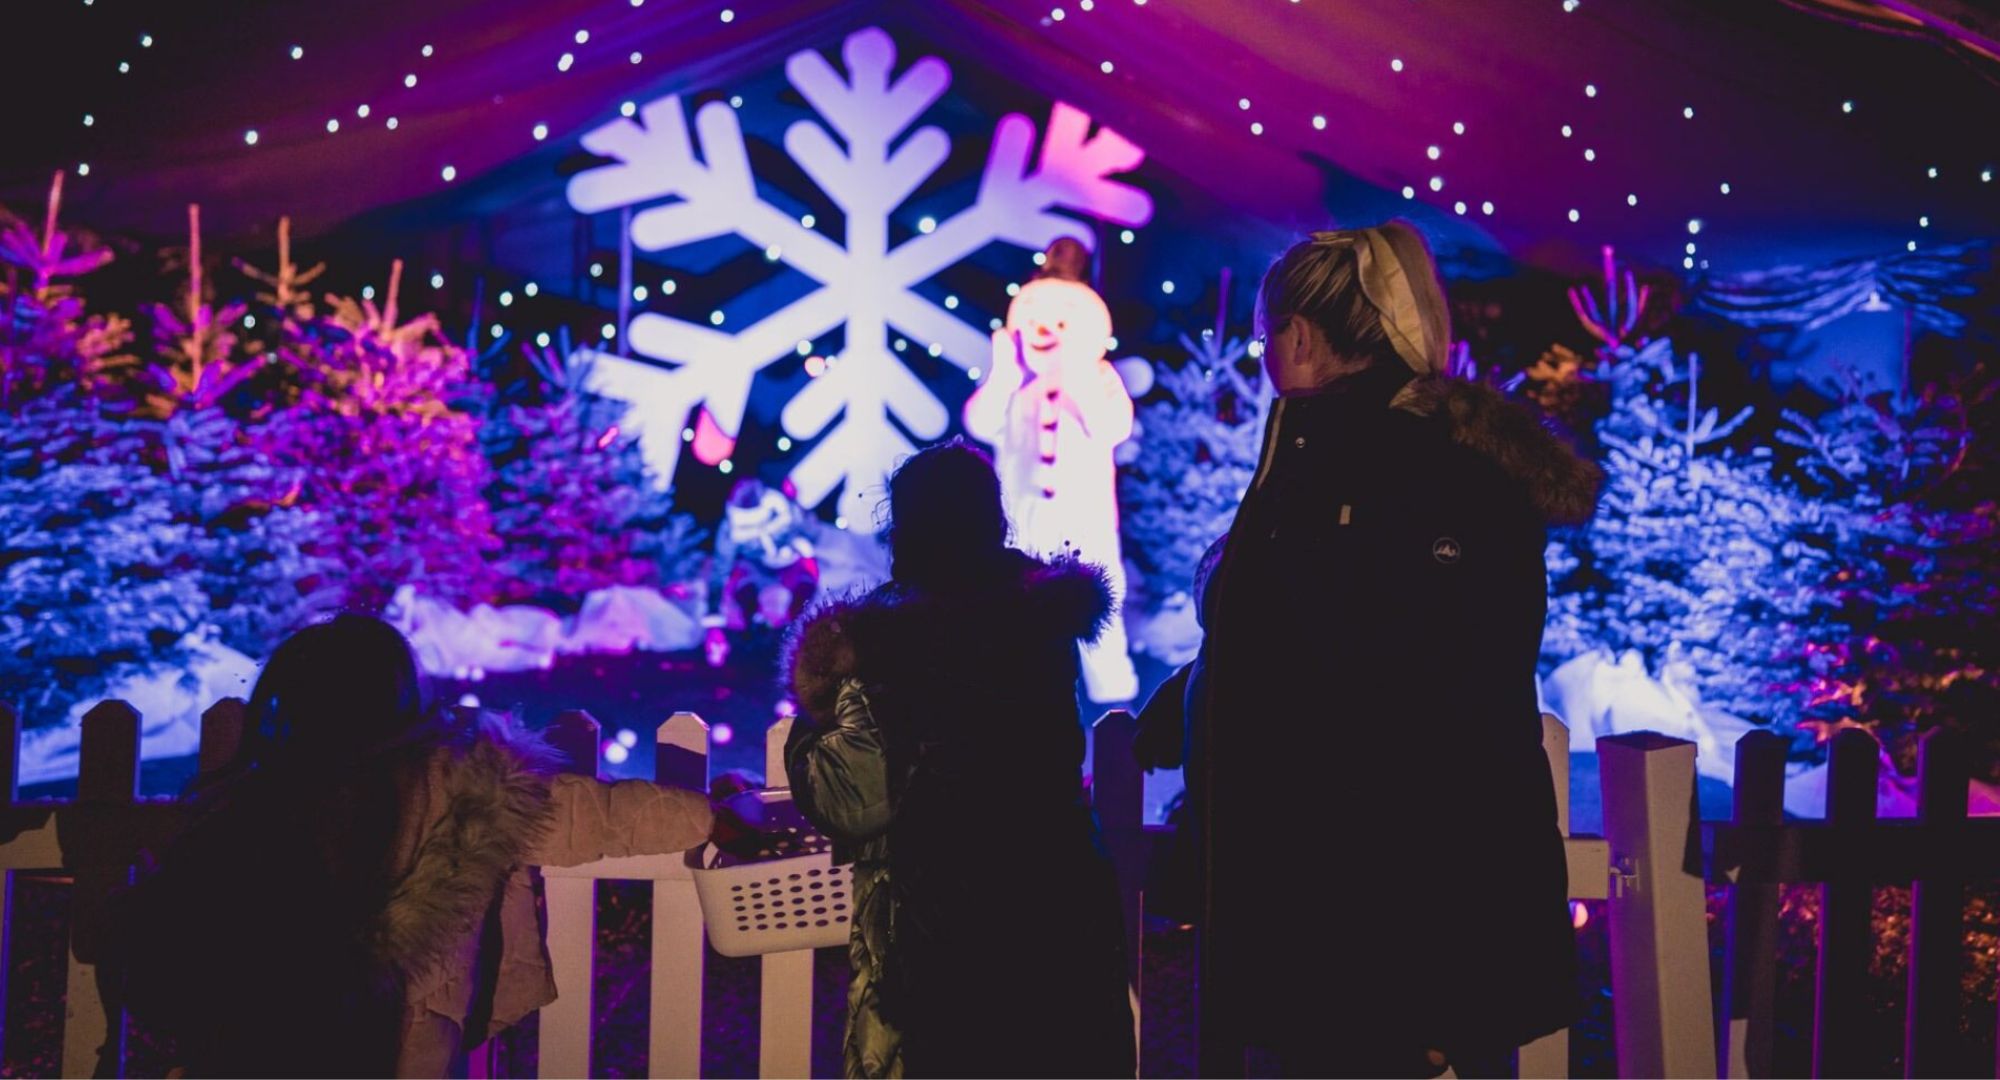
(1445, 550)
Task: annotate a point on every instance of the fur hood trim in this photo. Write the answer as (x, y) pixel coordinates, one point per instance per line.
(492, 786)
(1064, 597)
(1562, 485)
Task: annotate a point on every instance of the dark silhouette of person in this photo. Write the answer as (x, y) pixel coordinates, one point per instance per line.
(939, 745)
(356, 893)
(1376, 616)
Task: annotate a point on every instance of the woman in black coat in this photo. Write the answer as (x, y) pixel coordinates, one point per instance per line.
(1377, 615)
(939, 746)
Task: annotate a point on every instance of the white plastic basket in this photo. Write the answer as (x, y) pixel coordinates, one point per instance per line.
(789, 895)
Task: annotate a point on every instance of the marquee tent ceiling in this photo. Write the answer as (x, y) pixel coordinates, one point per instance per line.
(1634, 116)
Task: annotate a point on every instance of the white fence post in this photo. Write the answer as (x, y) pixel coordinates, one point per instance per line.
(680, 759)
(1548, 1056)
(565, 1030)
(785, 1024)
(107, 775)
(10, 776)
(1657, 910)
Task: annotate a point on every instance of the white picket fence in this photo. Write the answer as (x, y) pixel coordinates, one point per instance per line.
(1657, 925)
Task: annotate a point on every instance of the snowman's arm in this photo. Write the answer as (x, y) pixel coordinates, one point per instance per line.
(1100, 402)
(986, 409)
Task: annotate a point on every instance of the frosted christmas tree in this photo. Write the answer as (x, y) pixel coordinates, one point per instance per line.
(570, 503)
(1203, 437)
(88, 540)
(394, 464)
(867, 160)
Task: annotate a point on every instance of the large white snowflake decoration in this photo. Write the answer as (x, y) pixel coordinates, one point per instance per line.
(867, 285)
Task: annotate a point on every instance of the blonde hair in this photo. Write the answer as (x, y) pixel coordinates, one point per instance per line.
(1374, 293)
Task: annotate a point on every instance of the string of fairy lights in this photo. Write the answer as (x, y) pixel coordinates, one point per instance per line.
(578, 47)
(1435, 152)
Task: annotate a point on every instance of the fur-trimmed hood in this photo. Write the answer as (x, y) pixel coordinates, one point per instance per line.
(841, 639)
(1562, 485)
(481, 810)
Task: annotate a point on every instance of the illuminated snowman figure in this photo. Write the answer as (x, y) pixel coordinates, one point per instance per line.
(1055, 410)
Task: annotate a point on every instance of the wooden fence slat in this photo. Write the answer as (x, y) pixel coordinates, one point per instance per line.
(1548, 1056)
(1118, 795)
(1750, 981)
(1657, 915)
(10, 787)
(785, 1023)
(1846, 940)
(1931, 1044)
(10, 752)
(680, 758)
(107, 773)
(221, 735)
(572, 903)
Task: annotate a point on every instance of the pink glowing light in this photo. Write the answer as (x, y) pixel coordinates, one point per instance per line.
(722, 734)
(711, 443)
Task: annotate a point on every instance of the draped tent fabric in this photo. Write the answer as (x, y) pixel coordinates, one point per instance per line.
(1764, 83)
(1811, 297)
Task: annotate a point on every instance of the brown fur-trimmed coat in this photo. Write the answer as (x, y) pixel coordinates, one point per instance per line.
(1364, 730)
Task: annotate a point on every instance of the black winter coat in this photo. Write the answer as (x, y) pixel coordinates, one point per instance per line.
(939, 745)
(1382, 867)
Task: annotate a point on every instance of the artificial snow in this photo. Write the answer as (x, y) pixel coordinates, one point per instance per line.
(1597, 695)
(169, 702)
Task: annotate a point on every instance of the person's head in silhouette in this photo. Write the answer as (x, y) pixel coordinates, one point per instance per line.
(946, 522)
(334, 690)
